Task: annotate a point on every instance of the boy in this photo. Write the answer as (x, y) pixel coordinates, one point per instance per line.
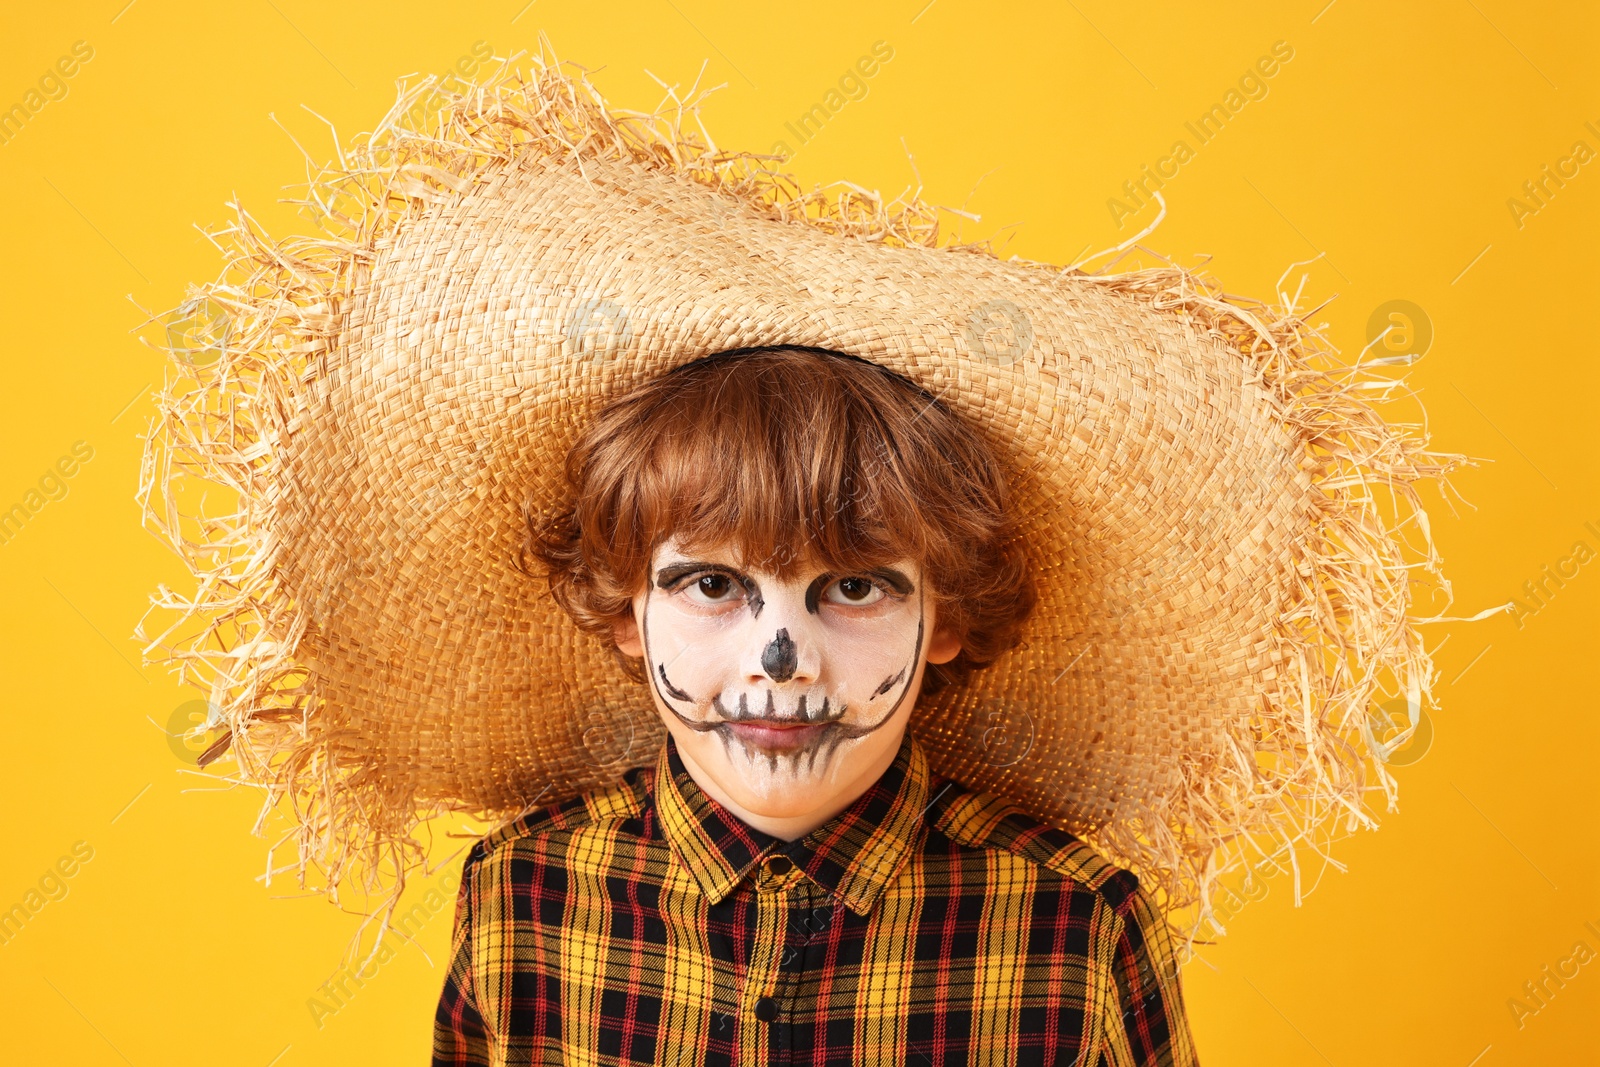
(789, 546)
(789, 550)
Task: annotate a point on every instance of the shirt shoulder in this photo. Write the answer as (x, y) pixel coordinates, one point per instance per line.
(608, 810)
(985, 821)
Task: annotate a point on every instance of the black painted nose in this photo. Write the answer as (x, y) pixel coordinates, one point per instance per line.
(778, 658)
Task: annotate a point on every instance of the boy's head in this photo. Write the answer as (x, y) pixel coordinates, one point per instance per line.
(788, 546)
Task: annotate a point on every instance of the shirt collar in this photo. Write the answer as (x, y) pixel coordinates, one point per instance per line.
(854, 856)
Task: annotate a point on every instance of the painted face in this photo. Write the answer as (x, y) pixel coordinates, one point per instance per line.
(790, 698)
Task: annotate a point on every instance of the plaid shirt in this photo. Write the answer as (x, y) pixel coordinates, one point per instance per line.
(924, 925)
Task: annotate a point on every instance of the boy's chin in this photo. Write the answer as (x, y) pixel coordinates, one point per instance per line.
(778, 802)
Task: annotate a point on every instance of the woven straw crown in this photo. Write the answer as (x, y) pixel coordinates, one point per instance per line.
(1221, 594)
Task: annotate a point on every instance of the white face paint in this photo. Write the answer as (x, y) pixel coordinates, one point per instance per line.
(785, 700)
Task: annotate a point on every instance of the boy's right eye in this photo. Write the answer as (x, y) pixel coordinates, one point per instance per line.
(712, 589)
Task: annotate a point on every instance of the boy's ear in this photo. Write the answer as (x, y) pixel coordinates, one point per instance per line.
(943, 646)
(625, 631)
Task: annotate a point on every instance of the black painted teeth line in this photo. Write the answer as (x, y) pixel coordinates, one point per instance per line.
(822, 750)
(827, 713)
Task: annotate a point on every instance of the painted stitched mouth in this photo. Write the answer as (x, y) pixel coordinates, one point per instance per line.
(777, 735)
(802, 716)
(780, 732)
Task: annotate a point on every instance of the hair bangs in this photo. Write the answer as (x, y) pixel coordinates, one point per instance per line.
(781, 478)
(788, 458)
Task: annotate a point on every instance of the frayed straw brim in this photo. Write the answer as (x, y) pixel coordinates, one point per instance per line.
(1213, 506)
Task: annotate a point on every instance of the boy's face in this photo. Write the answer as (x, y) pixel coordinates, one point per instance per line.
(786, 700)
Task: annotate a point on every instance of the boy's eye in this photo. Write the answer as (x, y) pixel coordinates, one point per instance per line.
(857, 591)
(714, 589)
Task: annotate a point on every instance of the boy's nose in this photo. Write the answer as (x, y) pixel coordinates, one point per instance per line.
(778, 658)
(786, 652)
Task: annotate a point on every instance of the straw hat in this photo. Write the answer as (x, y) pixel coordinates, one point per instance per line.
(1206, 491)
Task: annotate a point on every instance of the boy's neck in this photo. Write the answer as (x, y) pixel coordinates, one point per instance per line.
(793, 827)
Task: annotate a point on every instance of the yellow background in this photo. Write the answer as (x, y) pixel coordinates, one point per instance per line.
(1391, 142)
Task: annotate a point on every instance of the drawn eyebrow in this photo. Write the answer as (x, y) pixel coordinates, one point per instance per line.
(894, 579)
(674, 571)
(887, 575)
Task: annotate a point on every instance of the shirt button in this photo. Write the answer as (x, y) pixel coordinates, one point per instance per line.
(766, 1009)
(778, 866)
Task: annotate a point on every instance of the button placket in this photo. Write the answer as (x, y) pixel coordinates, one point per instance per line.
(806, 922)
(814, 919)
(774, 981)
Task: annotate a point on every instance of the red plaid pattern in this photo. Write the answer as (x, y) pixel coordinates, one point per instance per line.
(645, 924)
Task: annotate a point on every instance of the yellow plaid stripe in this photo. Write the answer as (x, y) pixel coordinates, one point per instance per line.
(927, 924)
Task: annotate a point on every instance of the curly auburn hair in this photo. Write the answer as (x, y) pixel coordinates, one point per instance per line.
(787, 454)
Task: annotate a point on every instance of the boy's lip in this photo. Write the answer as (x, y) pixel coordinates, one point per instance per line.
(777, 735)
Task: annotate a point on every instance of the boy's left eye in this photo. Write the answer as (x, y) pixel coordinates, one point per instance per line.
(857, 591)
